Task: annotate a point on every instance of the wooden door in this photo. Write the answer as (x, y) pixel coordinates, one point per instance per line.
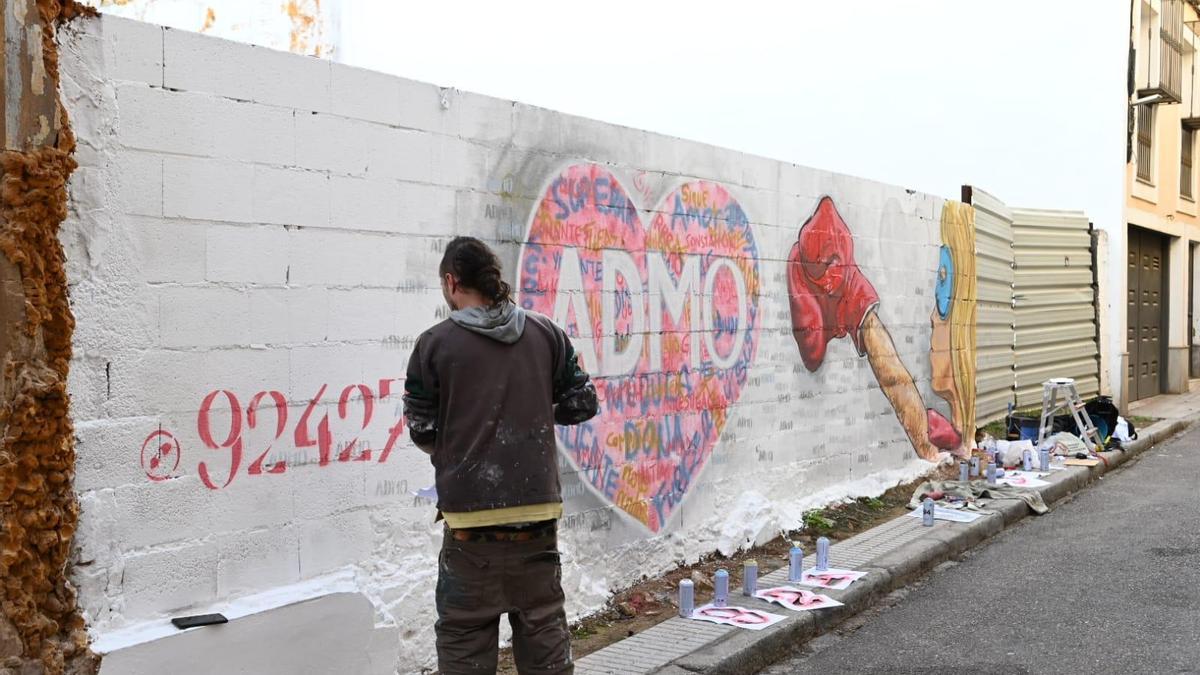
(1144, 313)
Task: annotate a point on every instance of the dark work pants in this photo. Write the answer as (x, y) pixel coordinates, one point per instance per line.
(480, 580)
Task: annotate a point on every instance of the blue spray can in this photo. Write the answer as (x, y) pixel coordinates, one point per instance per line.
(1044, 459)
(721, 588)
(750, 577)
(687, 598)
(963, 472)
(795, 563)
(1027, 460)
(991, 473)
(927, 512)
(822, 554)
(974, 466)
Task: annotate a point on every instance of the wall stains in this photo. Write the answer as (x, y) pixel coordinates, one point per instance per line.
(306, 27)
(40, 624)
(305, 32)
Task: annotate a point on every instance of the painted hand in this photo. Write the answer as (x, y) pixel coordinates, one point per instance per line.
(829, 294)
(942, 433)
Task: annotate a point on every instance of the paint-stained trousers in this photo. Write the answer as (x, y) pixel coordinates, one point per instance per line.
(481, 579)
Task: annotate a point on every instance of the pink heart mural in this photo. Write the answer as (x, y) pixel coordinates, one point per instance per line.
(665, 318)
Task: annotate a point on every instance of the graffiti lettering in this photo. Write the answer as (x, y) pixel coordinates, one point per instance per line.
(664, 315)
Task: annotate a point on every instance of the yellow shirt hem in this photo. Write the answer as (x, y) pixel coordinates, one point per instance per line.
(530, 513)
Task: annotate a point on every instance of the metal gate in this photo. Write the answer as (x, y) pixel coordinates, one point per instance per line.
(994, 320)
(1144, 313)
(1054, 303)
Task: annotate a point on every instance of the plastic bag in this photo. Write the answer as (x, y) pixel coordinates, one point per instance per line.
(1122, 432)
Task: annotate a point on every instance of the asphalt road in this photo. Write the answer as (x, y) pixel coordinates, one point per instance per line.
(1108, 582)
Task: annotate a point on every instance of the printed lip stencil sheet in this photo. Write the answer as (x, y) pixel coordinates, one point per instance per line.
(797, 599)
(952, 515)
(739, 617)
(832, 579)
(1026, 479)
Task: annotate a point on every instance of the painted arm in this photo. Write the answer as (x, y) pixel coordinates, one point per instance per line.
(897, 385)
(831, 298)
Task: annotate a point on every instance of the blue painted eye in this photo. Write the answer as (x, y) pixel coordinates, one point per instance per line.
(944, 288)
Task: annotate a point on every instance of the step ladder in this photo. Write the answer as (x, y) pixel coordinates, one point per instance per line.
(1070, 401)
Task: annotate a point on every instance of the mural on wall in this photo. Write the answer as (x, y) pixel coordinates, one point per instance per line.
(831, 298)
(664, 315)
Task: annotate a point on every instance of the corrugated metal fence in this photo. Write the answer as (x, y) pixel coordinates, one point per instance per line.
(1054, 303)
(1037, 315)
(994, 356)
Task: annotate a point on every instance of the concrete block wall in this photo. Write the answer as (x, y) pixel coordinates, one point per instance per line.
(253, 248)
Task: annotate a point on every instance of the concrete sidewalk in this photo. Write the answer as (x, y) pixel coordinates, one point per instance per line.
(1170, 406)
(893, 554)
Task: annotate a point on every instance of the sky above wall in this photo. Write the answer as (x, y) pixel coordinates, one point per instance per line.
(1023, 98)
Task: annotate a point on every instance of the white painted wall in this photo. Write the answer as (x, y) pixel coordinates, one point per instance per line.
(249, 221)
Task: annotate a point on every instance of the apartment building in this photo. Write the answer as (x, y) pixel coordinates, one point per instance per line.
(1161, 214)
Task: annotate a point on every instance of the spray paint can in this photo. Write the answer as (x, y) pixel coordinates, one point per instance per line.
(974, 466)
(991, 473)
(927, 512)
(721, 588)
(749, 577)
(687, 598)
(1027, 460)
(963, 471)
(822, 554)
(795, 563)
(1044, 459)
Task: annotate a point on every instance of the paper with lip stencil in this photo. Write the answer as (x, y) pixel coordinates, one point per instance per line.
(1025, 479)
(832, 579)
(739, 617)
(952, 515)
(796, 599)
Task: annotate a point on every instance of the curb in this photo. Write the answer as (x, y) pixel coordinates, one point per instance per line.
(744, 651)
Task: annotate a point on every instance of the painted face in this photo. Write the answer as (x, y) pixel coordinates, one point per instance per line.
(943, 290)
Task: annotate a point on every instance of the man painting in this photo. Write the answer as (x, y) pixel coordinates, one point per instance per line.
(483, 393)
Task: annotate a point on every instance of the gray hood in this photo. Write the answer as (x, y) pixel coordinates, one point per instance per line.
(503, 323)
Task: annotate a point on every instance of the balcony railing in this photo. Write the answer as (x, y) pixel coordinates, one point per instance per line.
(1167, 79)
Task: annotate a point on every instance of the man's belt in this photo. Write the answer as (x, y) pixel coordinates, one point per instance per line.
(504, 533)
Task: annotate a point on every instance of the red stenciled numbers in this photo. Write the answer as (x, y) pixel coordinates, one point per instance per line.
(233, 442)
(385, 392)
(368, 400)
(268, 411)
(280, 423)
(324, 440)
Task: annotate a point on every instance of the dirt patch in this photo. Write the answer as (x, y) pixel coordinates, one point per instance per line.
(1140, 422)
(653, 601)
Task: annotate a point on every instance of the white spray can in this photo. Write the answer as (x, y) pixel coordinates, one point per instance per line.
(687, 598)
(822, 554)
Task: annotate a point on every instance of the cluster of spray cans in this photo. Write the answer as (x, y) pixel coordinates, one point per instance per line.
(687, 589)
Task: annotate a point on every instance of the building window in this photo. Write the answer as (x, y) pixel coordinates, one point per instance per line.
(1145, 142)
(1171, 57)
(1185, 162)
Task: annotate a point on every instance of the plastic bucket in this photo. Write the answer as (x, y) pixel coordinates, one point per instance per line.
(1025, 427)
